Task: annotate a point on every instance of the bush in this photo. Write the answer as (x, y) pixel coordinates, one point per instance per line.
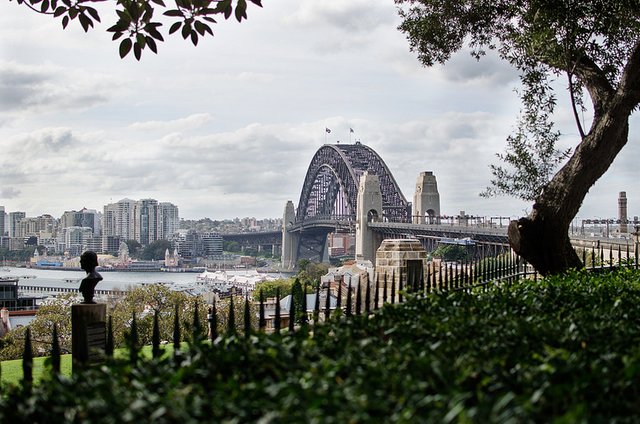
(563, 349)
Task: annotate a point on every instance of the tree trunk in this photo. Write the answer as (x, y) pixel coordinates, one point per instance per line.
(542, 238)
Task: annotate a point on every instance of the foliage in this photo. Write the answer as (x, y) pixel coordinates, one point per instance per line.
(144, 301)
(134, 247)
(231, 246)
(560, 350)
(310, 272)
(269, 288)
(22, 255)
(452, 252)
(56, 311)
(155, 250)
(587, 42)
(137, 28)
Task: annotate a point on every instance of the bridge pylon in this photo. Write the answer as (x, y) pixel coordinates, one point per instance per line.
(290, 240)
(426, 200)
(369, 209)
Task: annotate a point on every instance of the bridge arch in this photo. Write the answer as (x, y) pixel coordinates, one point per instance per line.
(330, 188)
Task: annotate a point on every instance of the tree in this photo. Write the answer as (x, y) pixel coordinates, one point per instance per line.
(133, 246)
(136, 27)
(269, 288)
(594, 44)
(155, 250)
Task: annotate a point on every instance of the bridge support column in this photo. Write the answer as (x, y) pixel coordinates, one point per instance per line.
(369, 208)
(426, 200)
(289, 240)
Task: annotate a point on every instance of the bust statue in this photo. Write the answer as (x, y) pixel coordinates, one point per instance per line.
(89, 262)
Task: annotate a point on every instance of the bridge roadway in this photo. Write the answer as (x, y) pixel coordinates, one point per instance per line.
(429, 233)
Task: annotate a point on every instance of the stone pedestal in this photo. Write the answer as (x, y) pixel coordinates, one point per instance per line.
(396, 258)
(88, 333)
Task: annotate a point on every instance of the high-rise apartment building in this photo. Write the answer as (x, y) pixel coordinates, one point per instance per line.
(88, 218)
(143, 220)
(3, 214)
(145, 215)
(32, 226)
(168, 220)
(14, 220)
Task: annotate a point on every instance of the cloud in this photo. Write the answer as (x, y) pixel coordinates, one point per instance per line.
(9, 193)
(190, 122)
(25, 88)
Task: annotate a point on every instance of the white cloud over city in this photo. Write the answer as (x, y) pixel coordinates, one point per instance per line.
(228, 128)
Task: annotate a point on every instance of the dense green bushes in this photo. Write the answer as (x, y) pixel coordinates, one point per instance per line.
(565, 349)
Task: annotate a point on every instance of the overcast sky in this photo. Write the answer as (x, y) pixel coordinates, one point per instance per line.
(228, 128)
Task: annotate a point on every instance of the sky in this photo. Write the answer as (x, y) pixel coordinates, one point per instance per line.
(228, 128)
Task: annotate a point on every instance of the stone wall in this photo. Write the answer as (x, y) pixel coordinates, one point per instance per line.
(392, 258)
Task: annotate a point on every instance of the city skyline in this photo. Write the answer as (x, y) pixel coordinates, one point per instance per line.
(228, 128)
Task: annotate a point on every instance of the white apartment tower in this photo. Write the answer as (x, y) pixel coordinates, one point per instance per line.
(143, 220)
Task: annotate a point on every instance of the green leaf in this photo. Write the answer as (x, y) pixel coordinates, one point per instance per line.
(241, 10)
(125, 47)
(65, 21)
(194, 38)
(175, 27)
(137, 51)
(186, 30)
(94, 13)
(59, 11)
(152, 45)
(174, 12)
(85, 21)
(44, 6)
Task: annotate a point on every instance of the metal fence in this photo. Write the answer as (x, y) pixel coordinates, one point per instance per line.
(386, 289)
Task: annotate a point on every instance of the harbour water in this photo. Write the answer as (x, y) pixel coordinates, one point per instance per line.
(112, 280)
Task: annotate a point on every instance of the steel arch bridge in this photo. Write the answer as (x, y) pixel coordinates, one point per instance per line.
(328, 200)
(330, 188)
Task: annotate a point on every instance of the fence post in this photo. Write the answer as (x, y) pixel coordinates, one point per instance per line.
(262, 322)
(316, 306)
(358, 299)
(108, 348)
(303, 308)
(27, 361)
(401, 286)
(327, 303)
(197, 327)
(213, 327)
(348, 312)
(133, 341)
(292, 312)
(247, 316)
(384, 289)
(155, 339)
(231, 321)
(367, 296)
(393, 286)
(339, 300)
(376, 293)
(55, 351)
(176, 336)
(277, 318)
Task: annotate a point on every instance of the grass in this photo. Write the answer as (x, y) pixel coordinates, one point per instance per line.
(12, 370)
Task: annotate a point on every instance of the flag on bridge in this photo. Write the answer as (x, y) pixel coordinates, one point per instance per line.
(327, 130)
(351, 130)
